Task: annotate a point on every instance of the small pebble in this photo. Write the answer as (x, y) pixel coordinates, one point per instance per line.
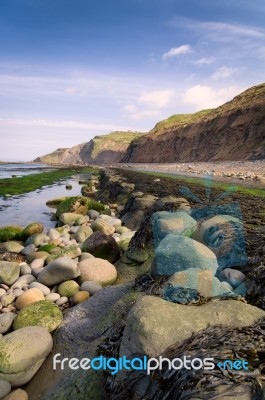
(61, 301)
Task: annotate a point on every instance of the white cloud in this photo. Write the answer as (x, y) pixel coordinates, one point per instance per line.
(156, 98)
(176, 51)
(205, 61)
(202, 97)
(224, 72)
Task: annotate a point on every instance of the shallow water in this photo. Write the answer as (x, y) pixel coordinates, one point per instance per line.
(7, 170)
(31, 207)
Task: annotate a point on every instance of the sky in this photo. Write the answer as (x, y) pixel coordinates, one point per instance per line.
(74, 69)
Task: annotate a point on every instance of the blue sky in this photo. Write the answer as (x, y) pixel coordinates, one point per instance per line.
(73, 69)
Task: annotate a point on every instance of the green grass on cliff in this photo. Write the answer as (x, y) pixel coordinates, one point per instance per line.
(219, 185)
(113, 140)
(181, 119)
(28, 183)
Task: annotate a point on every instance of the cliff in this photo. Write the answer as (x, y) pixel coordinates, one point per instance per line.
(234, 131)
(103, 149)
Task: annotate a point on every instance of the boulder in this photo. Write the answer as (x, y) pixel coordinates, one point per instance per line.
(154, 324)
(177, 223)
(41, 313)
(9, 272)
(22, 354)
(59, 270)
(97, 269)
(177, 253)
(28, 297)
(224, 235)
(190, 285)
(102, 246)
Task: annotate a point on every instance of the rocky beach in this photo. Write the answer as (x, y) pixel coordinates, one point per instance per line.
(134, 268)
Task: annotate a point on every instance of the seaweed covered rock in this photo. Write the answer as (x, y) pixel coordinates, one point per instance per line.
(41, 313)
(11, 232)
(154, 324)
(68, 288)
(78, 205)
(35, 227)
(219, 343)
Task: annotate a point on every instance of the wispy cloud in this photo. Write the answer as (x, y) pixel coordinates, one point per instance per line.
(233, 29)
(224, 72)
(176, 51)
(205, 61)
(60, 124)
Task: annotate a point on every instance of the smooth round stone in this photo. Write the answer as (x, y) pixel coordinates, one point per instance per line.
(2, 291)
(37, 263)
(23, 280)
(3, 286)
(99, 270)
(91, 287)
(9, 272)
(93, 214)
(18, 394)
(25, 269)
(6, 321)
(79, 297)
(45, 290)
(12, 247)
(5, 388)
(28, 249)
(68, 288)
(61, 301)
(52, 297)
(28, 297)
(58, 271)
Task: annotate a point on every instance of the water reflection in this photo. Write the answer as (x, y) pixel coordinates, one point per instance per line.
(31, 207)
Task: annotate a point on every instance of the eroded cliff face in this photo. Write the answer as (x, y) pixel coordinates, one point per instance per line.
(103, 149)
(234, 131)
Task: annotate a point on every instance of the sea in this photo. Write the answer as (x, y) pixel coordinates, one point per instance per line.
(31, 207)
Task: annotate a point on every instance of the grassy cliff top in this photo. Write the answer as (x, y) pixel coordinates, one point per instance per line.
(255, 94)
(115, 140)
